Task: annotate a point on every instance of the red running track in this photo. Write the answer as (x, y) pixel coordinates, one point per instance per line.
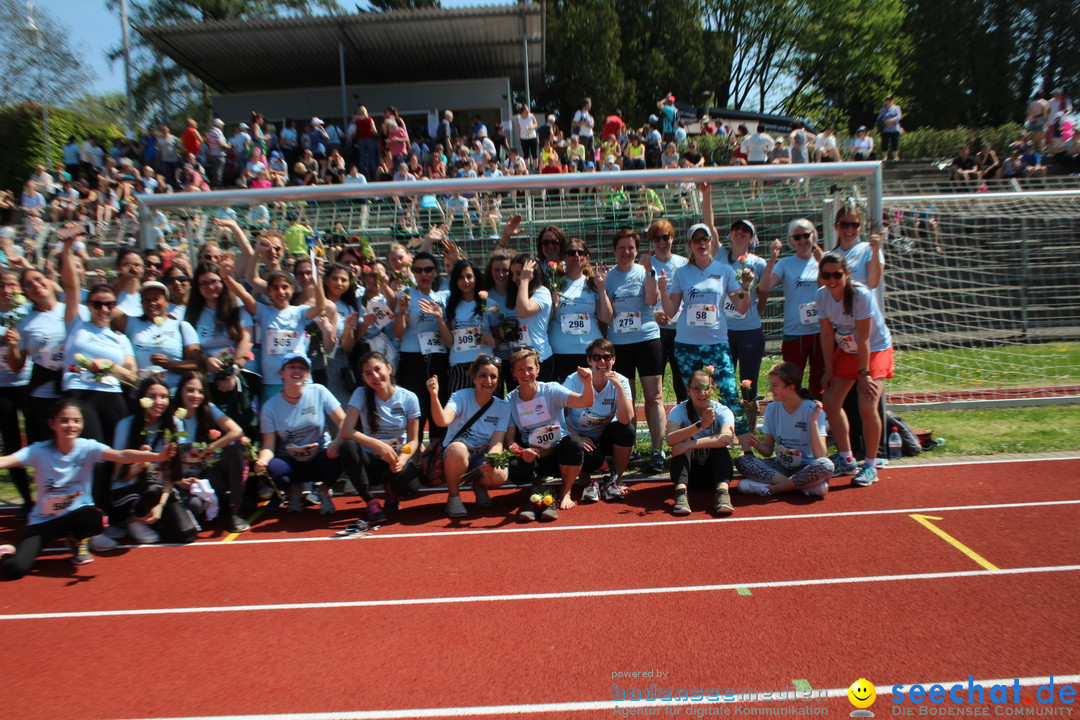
(429, 653)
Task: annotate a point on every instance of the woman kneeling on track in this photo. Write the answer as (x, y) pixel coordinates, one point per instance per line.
(294, 435)
(607, 426)
(389, 417)
(795, 429)
(699, 432)
(145, 499)
(475, 422)
(63, 471)
(536, 409)
(857, 348)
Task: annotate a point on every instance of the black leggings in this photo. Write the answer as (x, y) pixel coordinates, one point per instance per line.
(569, 452)
(12, 402)
(80, 524)
(177, 523)
(616, 434)
(413, 371)
(702, 468)
(405, 484)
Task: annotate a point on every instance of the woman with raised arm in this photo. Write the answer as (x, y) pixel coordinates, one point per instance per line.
(794, 433)
(63, 472)
(582, 304)
(798, 274)
(475, 422)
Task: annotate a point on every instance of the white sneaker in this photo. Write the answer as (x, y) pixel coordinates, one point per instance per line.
(819, 491)
(102, 543)
(881, 462)
(753, 487)
(326, 499)
(142, 533)
(455, 508)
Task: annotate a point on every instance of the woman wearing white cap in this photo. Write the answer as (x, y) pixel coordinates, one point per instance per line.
(701, 289)
(158, 339)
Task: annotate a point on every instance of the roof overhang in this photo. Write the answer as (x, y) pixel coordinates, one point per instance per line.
(379, 48)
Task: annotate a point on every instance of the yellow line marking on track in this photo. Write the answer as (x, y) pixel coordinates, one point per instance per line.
(251, 521)
(924, 520)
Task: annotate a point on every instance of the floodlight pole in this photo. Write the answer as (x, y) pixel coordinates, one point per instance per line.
(525, 54)
(41, 83)
(127, 70)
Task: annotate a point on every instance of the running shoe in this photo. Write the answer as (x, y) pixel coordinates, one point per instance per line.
(612, 491)
(591, 493)
(80, 552)
(455, 508)
(527, 513)
(375, 514)
(842, 467)
(656, 462)
(296, 498)
(354, 528)
(550, 513)
(6, 550)
(482, 497)
(682, 505)
(722, 502)
(818, 491)
(753, 487)
(326, 499)
(238, 524)
(866, 476)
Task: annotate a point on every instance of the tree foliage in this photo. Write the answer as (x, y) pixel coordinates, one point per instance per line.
(38, 65)
(388, 5)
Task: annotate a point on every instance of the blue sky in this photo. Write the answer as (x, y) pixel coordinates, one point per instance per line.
(93, 30)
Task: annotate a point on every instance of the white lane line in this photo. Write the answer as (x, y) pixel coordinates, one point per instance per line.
(543, 596)
(720, 697)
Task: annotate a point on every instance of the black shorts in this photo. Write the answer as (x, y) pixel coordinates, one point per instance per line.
(645, 357)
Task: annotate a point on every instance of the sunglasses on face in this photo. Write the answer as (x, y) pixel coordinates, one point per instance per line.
(425, 269)
(178, 279)
(549, 243)
(662, 238)
(209, 283)
(604, 357)
(700, 239)
(832, 275)
(489, 358)
(102, 304)
(845, 225)
(800, 236)
(574, 252)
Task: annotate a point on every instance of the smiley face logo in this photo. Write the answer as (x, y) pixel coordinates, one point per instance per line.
(862, 693)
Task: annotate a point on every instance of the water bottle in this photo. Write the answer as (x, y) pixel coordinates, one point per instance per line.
(896, 445)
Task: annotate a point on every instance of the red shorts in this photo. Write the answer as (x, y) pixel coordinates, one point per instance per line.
(846, 365)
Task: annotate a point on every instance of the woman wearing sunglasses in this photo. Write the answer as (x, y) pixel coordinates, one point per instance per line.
(582, 305)
(178, 280)
(858, 353)
(798, 274)
(475, 422)
(96, 358)
(661, 234)
(606, 427)
(419, 324)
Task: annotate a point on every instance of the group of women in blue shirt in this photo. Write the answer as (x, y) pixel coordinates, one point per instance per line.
(532, 324)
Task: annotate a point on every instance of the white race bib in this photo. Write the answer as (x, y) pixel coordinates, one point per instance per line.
(627, 322)
(545, 437)
(50, 356)
(701, 316)
(466, 339)
(730, 311)
(576, 324)
(383, 315)
(520, 338)
(430, 343)
(808, 313)
(588, 421)
(847, 343)
(534, 412)
(52, 505)
(302, 453)
(279, 342)
(790, 458)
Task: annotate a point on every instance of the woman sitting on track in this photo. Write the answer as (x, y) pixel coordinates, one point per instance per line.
(858, 350)
(795, 430)
(475, 422)
(607, 426)
(388, 417)
(295, 439)
(536, 409)
(63, 471)
(699, 433)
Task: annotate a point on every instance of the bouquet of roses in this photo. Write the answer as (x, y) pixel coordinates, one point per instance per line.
(502, 459)
(13, 315)
(556, 273)
(541, 499)
(744, 275)
(82, 364)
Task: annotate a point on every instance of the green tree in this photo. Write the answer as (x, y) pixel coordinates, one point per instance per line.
(583, 53)
(388, 5)
(39, 64)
